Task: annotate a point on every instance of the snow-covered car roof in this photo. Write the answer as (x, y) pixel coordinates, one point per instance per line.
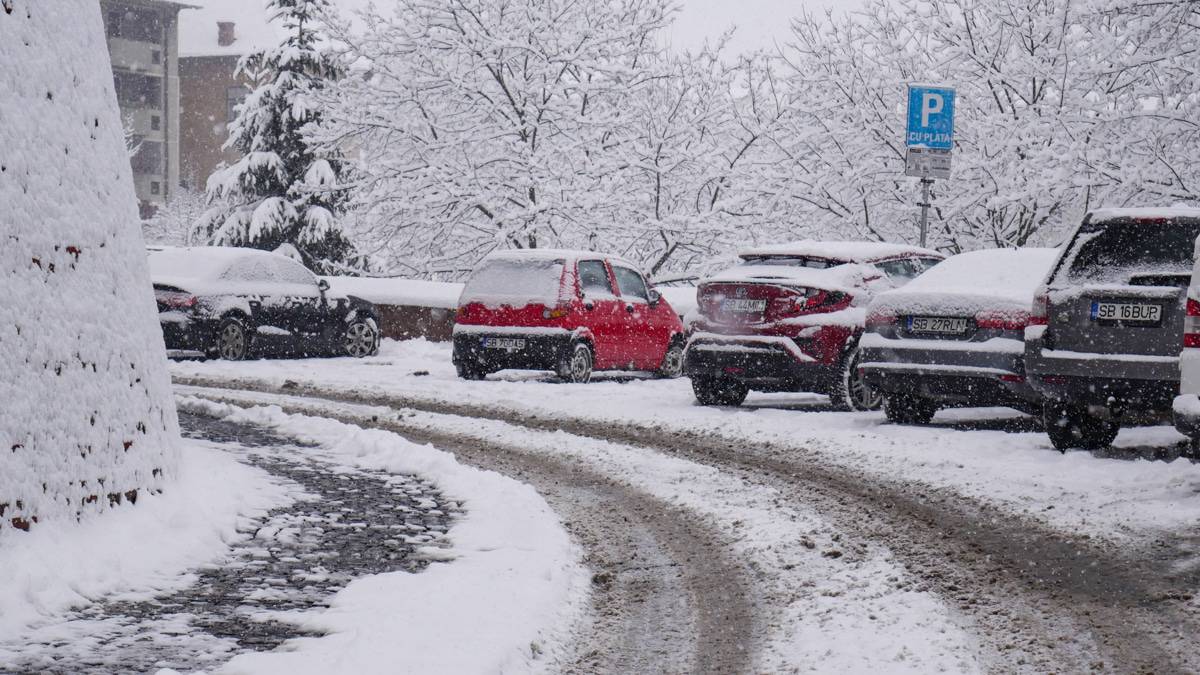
(200, 263)
(846, 251)
(566, 255)
(838, 278)
(1170, 212)
(970, 282)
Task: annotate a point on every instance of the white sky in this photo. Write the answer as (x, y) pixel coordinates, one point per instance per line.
(760, 23)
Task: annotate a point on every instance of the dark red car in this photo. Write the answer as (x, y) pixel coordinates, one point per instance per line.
(789, 317)
(571, 312)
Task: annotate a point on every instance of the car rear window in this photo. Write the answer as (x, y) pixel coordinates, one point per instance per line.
(511, 282)
(1126, 252)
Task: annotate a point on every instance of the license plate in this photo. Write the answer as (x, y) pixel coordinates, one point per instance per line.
(941, 325)
(509, 344)
(743, 305)
(1127, 312)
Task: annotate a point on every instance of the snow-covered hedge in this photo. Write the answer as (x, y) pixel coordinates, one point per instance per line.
(86, 417)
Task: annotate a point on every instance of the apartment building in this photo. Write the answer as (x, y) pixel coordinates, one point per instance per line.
(143, 44)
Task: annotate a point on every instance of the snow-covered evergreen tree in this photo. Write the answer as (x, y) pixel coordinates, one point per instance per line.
(280, 191)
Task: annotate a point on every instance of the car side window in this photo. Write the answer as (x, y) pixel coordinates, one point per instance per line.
(251, 268)
(292, 272)
(631, 283)
(900, 270)
(593, 278)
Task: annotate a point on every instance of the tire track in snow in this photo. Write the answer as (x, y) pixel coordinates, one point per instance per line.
(1043, 600)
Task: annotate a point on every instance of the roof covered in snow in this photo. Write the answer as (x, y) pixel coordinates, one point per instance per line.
(1171, 212)
(566, 255)
(845, 251)
(253, 29)
(205, 263)
(837, 278)
(971, 282)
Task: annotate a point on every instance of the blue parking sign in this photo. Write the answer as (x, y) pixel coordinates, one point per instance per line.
(930, 117)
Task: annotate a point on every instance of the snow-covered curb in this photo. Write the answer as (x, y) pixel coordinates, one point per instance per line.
(133, 552)
(507, 603)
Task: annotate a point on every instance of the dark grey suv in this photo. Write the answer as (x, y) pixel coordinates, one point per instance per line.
(1106, 328)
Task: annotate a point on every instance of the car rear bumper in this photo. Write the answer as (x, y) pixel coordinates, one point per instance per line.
(764, 363)
(542, 349)
(951, 372)
(1143, 382)
(184, 335)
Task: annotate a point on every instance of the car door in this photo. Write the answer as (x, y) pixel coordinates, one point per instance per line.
(602, 311)
(301, 307)
(642, 341)
(251, 278)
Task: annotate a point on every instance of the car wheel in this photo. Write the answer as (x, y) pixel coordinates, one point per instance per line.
(362, 338)
(1072, 426)
(719, 390)
(233, 340)
(902, 409)
(851, 391)
(576, 366)
(672, 363)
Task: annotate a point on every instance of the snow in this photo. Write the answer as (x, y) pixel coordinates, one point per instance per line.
(197, 263)
(86, 398)
(1117, 496)
(681, 298)
(845, 251)
(968, 283)
(847, 277)
(506, 601)
(517, 280)
(252, 26)
(1173, 212)
(133, 553)
(399, 292)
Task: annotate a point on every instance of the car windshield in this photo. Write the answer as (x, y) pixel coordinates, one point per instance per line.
(1120, 252)
(513, 280)
(790, 261)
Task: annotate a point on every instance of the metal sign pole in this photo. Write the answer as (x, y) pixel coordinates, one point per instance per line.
(925, 204)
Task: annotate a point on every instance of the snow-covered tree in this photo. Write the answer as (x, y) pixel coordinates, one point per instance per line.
(281, 191)
(484, 124)
(173, 224)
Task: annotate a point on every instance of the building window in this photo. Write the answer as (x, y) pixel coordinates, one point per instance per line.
(156, 57)
(135, 24)
(233, 98)
(155, 123)
(138, 91)
(155, 187)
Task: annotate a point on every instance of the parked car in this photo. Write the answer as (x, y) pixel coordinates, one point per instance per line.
(1106, 327)
(789, 318)
(572, 312)
(1186, 407)
(233, 303)
(955, 336)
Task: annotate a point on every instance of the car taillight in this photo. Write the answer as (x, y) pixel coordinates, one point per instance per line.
(1040, 316)
(175, 299)
(556, 313)
(1191, 325)
(996, 320)
(878, 318)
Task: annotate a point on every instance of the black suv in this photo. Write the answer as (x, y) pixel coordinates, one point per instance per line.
(233, 303)
(1106, 328)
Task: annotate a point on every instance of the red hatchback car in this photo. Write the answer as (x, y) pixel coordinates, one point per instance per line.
(788, 318)
(571, 312)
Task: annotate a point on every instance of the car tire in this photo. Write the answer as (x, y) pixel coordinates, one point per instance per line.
(907, 409)
(233, 340)
(1073, 427)
(672, 363)
(361, 338)
(472, 370)
(850, 390)
(719, 390)
(576, 365)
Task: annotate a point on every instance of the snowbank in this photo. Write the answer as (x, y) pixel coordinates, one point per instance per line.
(88, 417)
(49, 570)
(399, 292)
(505, 603)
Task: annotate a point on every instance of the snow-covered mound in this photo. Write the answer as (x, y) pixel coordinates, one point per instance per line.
(87, 417)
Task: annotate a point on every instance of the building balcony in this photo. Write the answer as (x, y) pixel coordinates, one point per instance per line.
(136, 57)
(146, 123)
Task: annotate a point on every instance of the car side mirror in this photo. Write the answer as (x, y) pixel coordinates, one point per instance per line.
(655, 297)
(322, 285)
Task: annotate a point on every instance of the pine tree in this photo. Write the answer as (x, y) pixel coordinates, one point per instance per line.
(280, 192)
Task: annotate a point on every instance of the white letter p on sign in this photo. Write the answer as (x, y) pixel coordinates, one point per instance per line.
(931, 104)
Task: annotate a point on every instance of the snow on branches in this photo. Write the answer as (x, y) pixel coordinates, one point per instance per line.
(281, 191)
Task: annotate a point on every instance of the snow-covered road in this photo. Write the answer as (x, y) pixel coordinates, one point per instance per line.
(865, 546)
